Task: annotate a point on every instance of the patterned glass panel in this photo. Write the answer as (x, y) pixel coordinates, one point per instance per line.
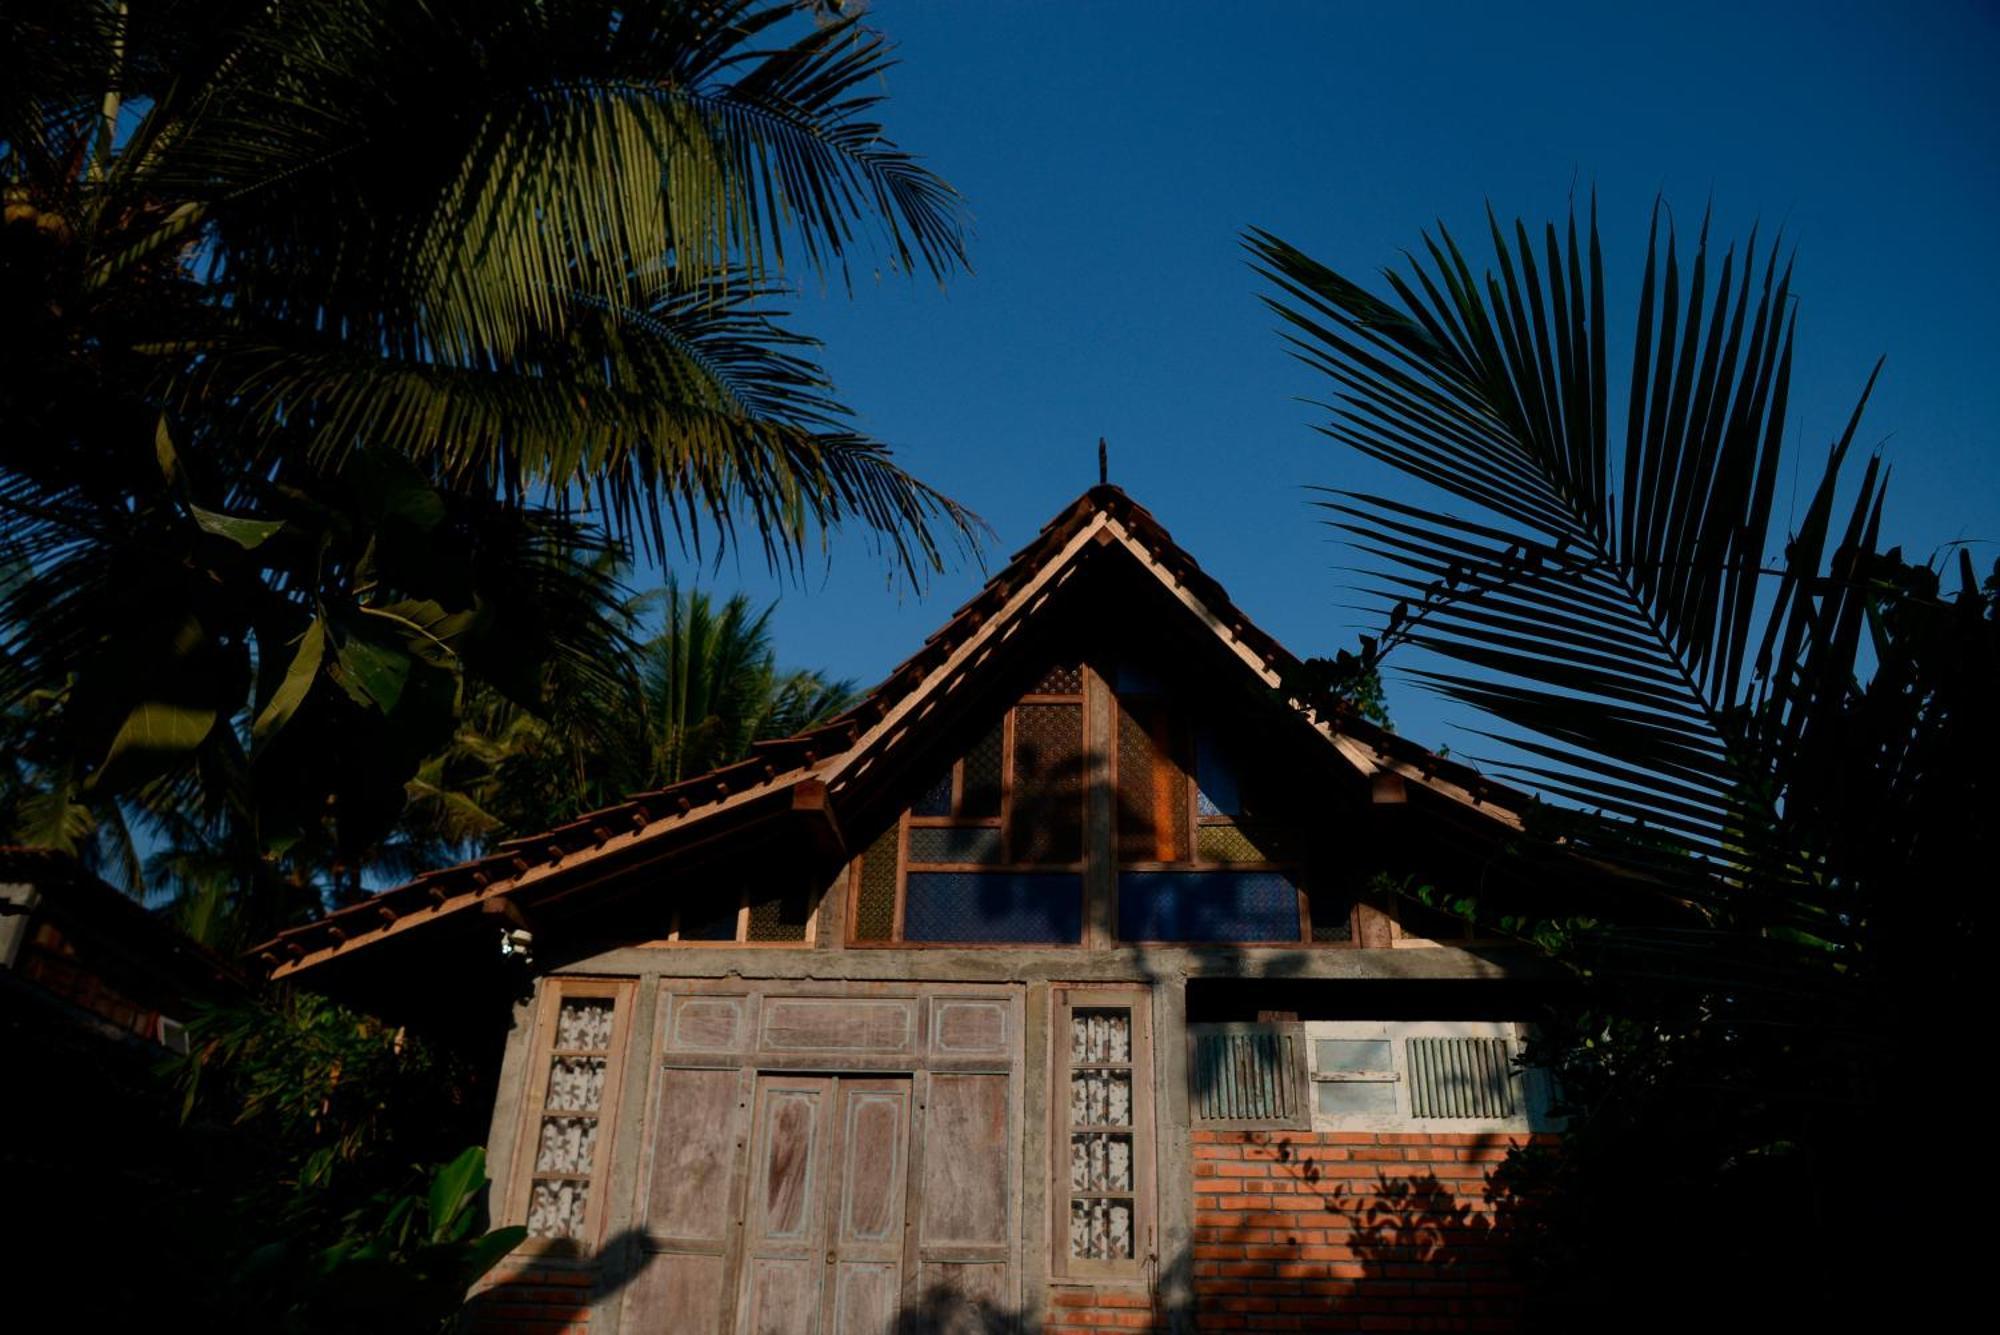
(1152, 788)
(556, 1209)
(1101, 1036)
(576, 1084)
(1101, 1098)
(1101, 1161)
(954, 843)
(981, 798)
(565, 1151)
(584, 1025)
(1102, 1180)
(1332, 915)
(1100, 1229)
(567, 1144)
(1138, 839)
(1214, 777)
(936, 800)
(993, 906)
(781, 916)
(1061, 680)
(1048, 783)
(875, 904)
(1207, 906)
(1244, 843)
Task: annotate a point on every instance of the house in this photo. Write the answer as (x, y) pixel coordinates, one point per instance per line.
(1059, 985)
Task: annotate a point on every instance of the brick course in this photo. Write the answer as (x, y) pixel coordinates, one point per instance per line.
(1324, 1231)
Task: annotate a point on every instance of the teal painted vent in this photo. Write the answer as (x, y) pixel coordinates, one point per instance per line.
(1461, 1077)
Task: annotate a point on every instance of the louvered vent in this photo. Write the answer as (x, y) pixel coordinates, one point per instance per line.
(1461, 1077)
(1245, 1074)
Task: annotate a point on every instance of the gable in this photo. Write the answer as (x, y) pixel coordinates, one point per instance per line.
(1103, 589)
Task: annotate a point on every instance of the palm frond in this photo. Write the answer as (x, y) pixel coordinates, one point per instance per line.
(1614, 603)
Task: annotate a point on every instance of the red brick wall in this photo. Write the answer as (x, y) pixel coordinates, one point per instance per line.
(1299, 1230)
(1075, 1310)
(523, 1297)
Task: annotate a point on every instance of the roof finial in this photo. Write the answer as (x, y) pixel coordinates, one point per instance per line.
(1103, 463)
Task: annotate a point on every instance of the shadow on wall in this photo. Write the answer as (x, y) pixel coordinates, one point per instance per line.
(1331, 1231)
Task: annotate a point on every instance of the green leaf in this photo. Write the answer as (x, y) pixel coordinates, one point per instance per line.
(487, 1252)
(291, 692)
(453, 1189)
(163, 450)
(157, 725)
(245, 533)
(372, 674)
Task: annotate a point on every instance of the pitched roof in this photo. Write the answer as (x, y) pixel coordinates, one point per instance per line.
(811, 768)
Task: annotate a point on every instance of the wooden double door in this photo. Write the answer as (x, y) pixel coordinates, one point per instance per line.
(829, 1160)
(824, 1238)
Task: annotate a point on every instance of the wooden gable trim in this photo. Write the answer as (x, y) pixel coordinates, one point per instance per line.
(895, 724)
(839, 753)
(1366, 763)
(535, 876)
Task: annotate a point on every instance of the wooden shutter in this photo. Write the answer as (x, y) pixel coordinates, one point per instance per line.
(1247, 1075)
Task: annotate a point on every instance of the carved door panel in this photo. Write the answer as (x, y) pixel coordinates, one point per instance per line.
(866, 1204)
(822, 1160)
(785, 1224)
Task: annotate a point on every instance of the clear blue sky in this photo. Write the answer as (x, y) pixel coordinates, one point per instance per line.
(1112, 153)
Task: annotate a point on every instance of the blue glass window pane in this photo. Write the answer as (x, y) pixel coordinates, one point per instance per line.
(1207, 906)
(937, 800)
(1214, 776)
(1002, 906)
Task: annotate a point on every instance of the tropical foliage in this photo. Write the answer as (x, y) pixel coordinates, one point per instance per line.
(356, 341)
(1776, 743)
(694, 695)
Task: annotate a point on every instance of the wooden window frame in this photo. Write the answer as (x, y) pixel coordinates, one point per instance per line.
(907, 820)
(1066, 1000)
(623, 994)
(1164, 727)
(741, 940)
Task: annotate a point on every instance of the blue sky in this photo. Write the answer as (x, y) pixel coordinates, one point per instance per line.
(1111, 154)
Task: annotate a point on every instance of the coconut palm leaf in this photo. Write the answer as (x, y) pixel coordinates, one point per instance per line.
(1611, 600)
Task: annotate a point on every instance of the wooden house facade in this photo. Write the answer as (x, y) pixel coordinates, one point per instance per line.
(1055, 987)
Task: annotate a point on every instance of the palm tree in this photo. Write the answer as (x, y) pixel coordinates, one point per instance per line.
(1783, 739)
(698, 695)
(350, 331)
(712, 686)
